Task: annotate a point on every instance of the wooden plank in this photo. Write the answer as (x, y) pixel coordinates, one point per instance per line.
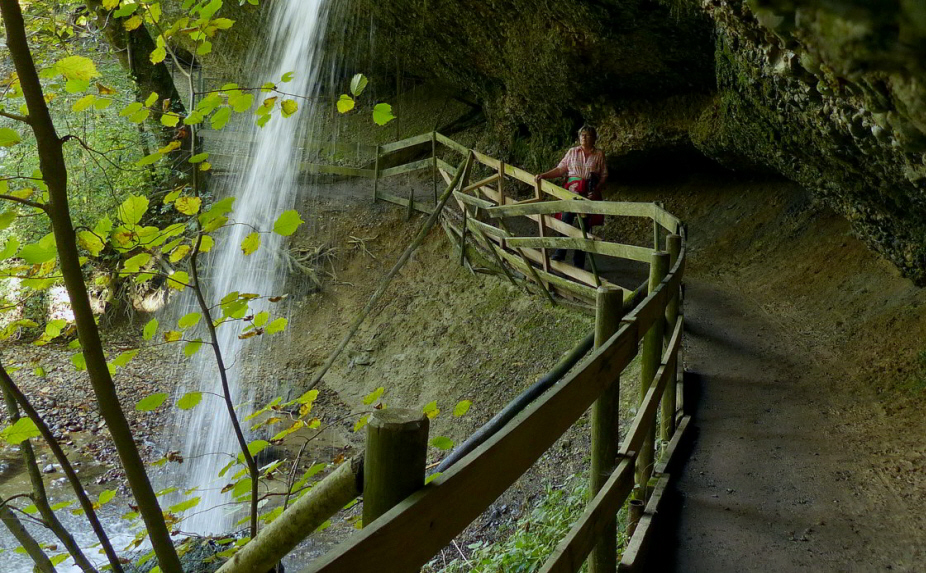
(306, 167)
(407, 142)
(623, 208)
(666, 220)
(575, 547)
(631, 252)
(461, 149)
(667, 460)
(418, 205)
(407, 168)
(478, 184)
(444, 507)
(486, 228)
(634, 556)
(446, 168)
(575, 289)
(473, 201)
(551, 222)
(490, 162)
(541, 226)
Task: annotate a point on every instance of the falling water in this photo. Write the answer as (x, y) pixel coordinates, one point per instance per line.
(264, 185)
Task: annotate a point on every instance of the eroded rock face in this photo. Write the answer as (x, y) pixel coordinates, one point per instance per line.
(829, 93)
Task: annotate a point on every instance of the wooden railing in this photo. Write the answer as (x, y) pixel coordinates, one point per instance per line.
(413, 531)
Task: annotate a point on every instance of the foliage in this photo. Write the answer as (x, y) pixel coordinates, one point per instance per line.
(528, 541)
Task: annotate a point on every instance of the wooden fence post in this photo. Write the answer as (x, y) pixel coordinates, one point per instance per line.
(376, 175)
(542, 227)
(394, 462)
(657, 242)
(605, 428)
(674, 246)
(434, 164)
(649, 364)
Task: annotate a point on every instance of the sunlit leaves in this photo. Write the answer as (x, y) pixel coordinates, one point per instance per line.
(199, 158)
(190, 400)
(132, 210)
(289, 107)
(382, 114)
(287, 223)
(431, 410)
(345, 103)
(189, 320)
(151, 402)
(9, 137)
(374, 396)
(124, 358)
(250, 244)
(192, 347)
(150, 329)
(357, 84)
(442, 443)
(91, 242)
(170, 119)
(79, 362)
(188, 205)
(179, 280)
(462, 408)
(278, 325)
(77, 68)
(359, 424)
(22, 430)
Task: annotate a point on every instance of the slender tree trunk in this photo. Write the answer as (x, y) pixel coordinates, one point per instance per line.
(54, 171)
(39, 495)
(32, 547)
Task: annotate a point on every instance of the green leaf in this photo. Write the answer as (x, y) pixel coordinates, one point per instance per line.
(382, 114)
(150, 329)
(158, 55)
(77, 68)
(170, 119)
(125, 358)
(462, 408)
(241, 488)
(199, 158)
(345, 103)
(191, 348)
(132, 210)
(152, 99)
(357, 84)
(134, 264)
(188, 205)
(22, 430)
(9, 137)
(289, 107)
(189, 320)
(250, 243)
(373, 396)
(431, 410)
(276, 326)
(220, 118)
(53, 327)
(151, 402)
(106, 497)
(288, 222)
(10, 248)
(190, 400)
(149, 159)
(361, 423)
(91, 242)
(36, 253)
(179, 280)
(184, 505)
(261, 318)
(287, 77)
(7, 218)
(79, 362)
(442, 443)
(83, 103)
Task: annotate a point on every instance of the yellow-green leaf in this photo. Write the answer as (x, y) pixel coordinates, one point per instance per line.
(133, 209)
(22, 430)
(287, 223)
(277, 325)
(289, 107)
(382, 114)
(374, 396)
(461, 408)
(190, 400)
(151, 402)
(77, 68)
(188, 205)
(150, 329)
(250, 244)
(345, 103)
(8, 137)
(190, 320)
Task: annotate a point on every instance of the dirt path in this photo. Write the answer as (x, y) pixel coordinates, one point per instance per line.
(796, 462)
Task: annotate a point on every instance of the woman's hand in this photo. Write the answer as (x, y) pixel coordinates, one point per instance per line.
(538, 178)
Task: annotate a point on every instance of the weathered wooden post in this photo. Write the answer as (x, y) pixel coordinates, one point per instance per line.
(394, 463)
(649, 364)
(635, 509)
(674, 246)
(411, 204)
(605, 428)
(542, 227)
(434, 164)
(376, 175)
(657, 231)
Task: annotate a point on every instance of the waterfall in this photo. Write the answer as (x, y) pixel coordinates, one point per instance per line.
(264, 183)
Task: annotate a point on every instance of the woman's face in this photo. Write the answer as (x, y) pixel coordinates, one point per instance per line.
(586, 139)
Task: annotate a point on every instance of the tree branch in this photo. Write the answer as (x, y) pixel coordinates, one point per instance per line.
(25, 202)
(15, 116)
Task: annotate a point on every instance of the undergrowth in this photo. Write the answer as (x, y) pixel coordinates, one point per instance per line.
(524, 544)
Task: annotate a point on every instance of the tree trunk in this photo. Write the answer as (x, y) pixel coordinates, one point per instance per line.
(54, 171)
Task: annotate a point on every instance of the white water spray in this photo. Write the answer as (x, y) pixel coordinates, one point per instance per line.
(265, 185)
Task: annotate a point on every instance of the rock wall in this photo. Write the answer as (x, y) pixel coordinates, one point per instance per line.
(828, 93)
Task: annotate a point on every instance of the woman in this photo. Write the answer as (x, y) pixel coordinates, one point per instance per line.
(586, 172)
